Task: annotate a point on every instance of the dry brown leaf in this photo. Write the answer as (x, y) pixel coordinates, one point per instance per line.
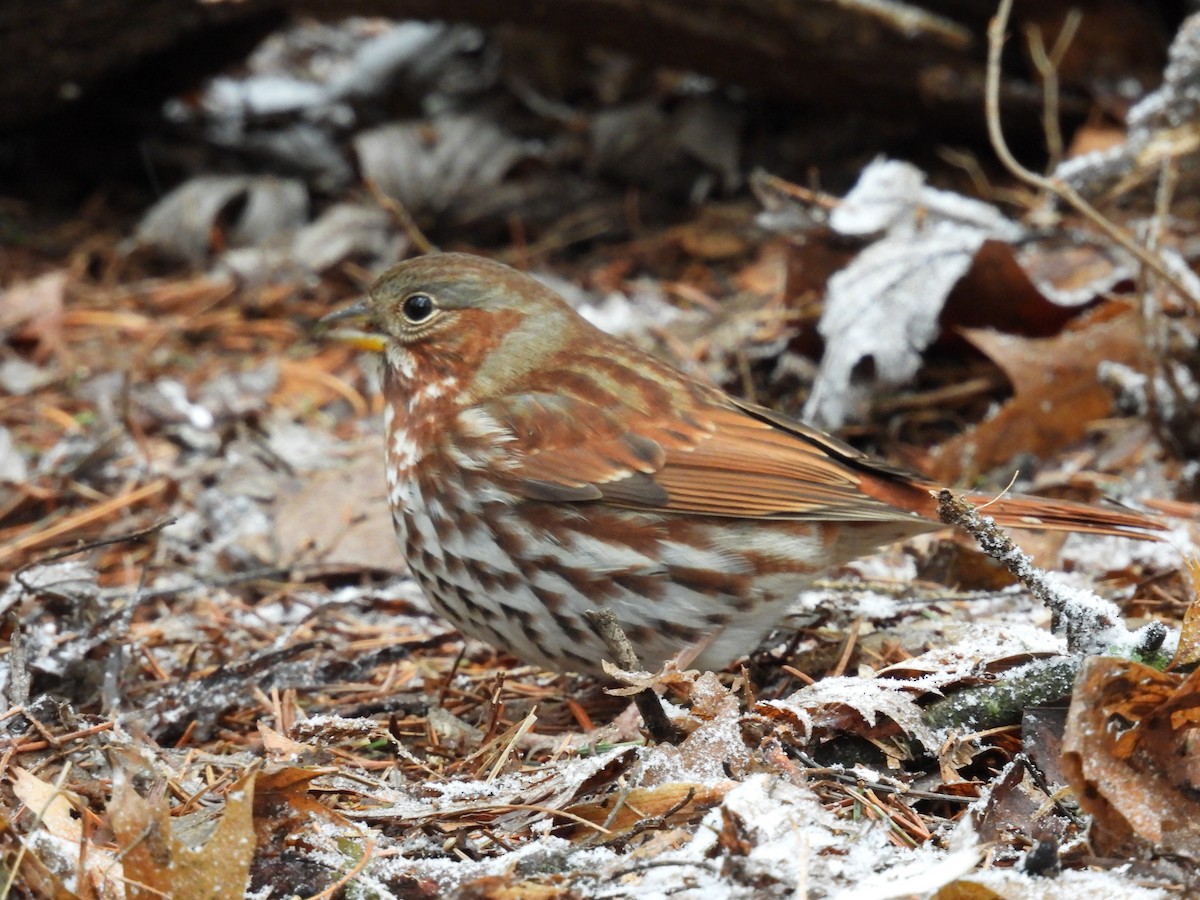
(31, 302)
(1093, 137)
(339, 519)
(158, 862)
(684, 801)
(34, 310)
(55, 814)
(142, 827)
(220, 868)
(502, 887)
(50, 804)
(711, 238)
(1132, 757)
(999, 291)
(277, 745)
(283, 795)
(1187, 653)
(1057, 394)
(965, 889)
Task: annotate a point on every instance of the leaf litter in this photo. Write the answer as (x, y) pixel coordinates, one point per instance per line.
(221, 683)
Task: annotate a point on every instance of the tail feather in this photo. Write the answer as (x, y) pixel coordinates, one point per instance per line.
(918, 495)
(1047, 514)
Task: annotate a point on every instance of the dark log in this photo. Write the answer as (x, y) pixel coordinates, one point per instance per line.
(924, 62)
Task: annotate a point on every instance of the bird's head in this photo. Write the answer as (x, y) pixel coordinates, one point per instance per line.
(462, 316)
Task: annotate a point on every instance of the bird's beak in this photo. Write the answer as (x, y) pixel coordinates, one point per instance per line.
(362, 340)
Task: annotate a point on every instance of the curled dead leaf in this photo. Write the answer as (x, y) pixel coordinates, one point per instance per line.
(1132, 755)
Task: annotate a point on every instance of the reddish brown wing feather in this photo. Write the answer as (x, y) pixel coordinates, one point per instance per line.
(724, 463)
(736, 460)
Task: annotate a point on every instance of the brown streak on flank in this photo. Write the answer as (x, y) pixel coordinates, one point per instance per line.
(552, 600)
(427, 477)
(649, 586)
(710, 582)
(586, 662)
(625, 528)
(412, 541)
(485, 578)
(527, 619)
(641, 634)
(496, 637)
(442, 527)
(454, 565)
(677, 631)
(828, 533)
(510, 542)
(570, 627)
(580, 578)
(547, 518)
(487, 613)
(465, 597)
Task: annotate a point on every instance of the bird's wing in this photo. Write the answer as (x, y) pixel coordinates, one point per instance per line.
(712, 456)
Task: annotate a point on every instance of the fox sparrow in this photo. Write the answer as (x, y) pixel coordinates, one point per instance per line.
(538, 468)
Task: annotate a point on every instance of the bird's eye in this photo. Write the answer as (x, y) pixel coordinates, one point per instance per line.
(417, 308)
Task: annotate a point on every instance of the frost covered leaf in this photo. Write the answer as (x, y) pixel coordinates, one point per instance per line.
(891, 198)
(1071, 272)
(220, 867)
(854, 705)
(922, 877)
(780, 834)
(551, 787)
(1012, 883)
(1132, 755)
(193, 220)
(882, 310)
(1056, 392)
(430, 166)
(983, 650)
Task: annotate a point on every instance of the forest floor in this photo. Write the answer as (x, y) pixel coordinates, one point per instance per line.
(220, 681)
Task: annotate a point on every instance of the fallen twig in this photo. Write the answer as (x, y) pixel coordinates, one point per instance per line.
(648, 703)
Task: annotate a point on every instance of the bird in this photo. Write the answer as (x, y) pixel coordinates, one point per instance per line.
(539, 468)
